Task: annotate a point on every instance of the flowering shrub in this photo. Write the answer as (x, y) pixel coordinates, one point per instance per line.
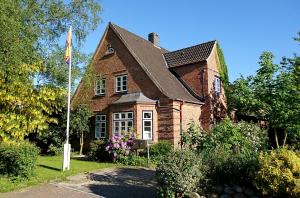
(279, 173)
(120, 145)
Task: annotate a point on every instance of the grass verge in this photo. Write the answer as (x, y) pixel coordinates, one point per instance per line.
(49, 168)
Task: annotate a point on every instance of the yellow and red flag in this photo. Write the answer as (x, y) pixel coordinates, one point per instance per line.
(68, 46)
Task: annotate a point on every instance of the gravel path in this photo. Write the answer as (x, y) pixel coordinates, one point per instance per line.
(110, 183)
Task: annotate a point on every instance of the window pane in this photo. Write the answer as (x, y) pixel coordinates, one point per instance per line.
(147, 135)
(123, 115)
(129, 115)
(147, 115)
(117, 116)
(147, 129)
(124, 88)
(148, 123)
(103, 118)
(97, 117)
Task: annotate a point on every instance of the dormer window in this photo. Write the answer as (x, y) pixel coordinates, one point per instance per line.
(100, 86)
(109, 50)
(217, 84)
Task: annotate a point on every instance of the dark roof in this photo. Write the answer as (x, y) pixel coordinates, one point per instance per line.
(133, 97)
(189, 55)
(152, 61)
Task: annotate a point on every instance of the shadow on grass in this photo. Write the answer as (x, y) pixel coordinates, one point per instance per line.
(81, 158)
(49, 167)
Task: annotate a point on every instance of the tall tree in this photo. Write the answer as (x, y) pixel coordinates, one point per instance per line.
(32, 69)
(80, 118)
(272, 94)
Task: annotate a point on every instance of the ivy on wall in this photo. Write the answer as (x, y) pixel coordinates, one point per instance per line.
(222, 67)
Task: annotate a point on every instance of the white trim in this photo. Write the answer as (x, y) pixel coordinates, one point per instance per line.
(121, 120)
(151, 125)
(102, 87)
(100, 119)
(122, 84)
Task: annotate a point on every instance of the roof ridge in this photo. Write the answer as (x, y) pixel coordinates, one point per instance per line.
(160, 47)
(191, 46)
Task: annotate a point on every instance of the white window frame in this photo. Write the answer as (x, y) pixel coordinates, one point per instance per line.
(144, 119)
(99, 120)
(100, 86)
(217, 84)
(123, 87)
(122, 120)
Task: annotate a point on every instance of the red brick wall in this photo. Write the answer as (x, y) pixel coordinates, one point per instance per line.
(110, 66)
(193, 76)
(200, 78)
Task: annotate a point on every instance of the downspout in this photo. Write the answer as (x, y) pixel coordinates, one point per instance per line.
(181, 133)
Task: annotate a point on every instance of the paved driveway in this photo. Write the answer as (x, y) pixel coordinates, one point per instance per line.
(110, 183)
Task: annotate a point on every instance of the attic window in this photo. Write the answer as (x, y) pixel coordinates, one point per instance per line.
(109, 50)
(217, 84)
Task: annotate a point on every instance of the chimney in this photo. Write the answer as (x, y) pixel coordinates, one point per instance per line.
(154, 38)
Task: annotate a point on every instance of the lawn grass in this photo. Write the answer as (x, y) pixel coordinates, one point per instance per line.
(49, 168)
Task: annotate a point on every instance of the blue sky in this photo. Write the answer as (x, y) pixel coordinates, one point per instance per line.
(244, 28)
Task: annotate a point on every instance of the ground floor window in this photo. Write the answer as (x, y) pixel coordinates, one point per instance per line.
(100, 126)
(122, 122)
(147, 125)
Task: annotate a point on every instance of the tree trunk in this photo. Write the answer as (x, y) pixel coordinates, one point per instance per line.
(81, 144)
(285, 136)
(276, 137)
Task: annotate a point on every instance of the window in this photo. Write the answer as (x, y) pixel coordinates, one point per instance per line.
(100, 126)
(109, 50)
(147, 125)
(122, 122)
(217, 84)
(100, 86)
(121, 83)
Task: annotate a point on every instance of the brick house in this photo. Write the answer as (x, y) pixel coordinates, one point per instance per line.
(143, 87)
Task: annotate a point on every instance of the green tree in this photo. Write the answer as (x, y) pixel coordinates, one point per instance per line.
(32, 70)
(273, 94)
(79, 123)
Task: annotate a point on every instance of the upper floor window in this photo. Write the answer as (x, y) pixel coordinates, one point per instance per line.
(121, 83)
(109, 50)
(100, 86)
(217, 84)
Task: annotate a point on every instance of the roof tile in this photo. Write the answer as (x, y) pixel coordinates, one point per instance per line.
(189, 55)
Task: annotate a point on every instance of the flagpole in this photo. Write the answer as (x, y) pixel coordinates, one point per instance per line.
(69, 94)
(67, 146)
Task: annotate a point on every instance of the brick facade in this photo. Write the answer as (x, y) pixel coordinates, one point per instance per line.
(168, 114)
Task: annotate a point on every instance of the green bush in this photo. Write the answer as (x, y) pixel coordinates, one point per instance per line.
(229, 167)
(132, 160)
(157, 150)
(193, 137)
(279, 173)
(18, 160)
(231, 151)
(161, 148)
(180, 172)
(54, 150)
(97, 151)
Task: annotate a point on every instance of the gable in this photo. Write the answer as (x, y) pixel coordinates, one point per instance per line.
(110, 66)
(152, 61)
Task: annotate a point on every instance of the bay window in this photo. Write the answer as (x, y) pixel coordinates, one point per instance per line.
(122, 122)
